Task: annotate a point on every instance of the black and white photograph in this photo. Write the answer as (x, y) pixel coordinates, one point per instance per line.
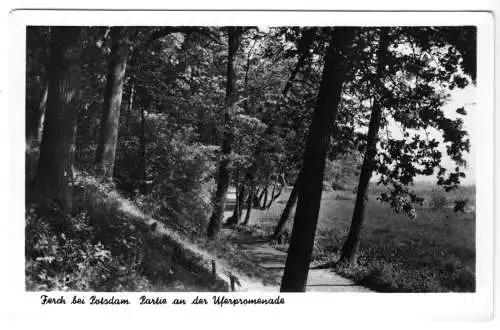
(232, 158)
(294, 158)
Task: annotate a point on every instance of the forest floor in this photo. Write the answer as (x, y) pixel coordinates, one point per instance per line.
(268, 259)
(270, 263)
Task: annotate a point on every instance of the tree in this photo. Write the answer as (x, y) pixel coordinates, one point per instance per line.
(37, 45)
(106, 150)
(350, 245)
(407, 89)
(54, 177)
(292, 199)
(215, 222)
(306, 216)
(270, 146)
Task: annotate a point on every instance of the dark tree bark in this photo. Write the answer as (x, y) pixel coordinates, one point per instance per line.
(54, 177)
(142, 153)
(310, 184)
(275, 194)
(268, 205)
(349, 248)
(288, 209)
(266, 192)
(259, 196)
(223, 178)
(106, 150)
(240, 199)
(249, 204)
(303, 47)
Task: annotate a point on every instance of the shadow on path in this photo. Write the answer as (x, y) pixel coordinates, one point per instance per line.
(271, 264)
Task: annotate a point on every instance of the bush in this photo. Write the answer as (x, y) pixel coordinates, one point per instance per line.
(182, 186)
(59, 253)
(93, 249)
(437, 199)
(339, 186)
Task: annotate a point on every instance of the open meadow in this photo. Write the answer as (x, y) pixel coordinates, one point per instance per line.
(433, 253)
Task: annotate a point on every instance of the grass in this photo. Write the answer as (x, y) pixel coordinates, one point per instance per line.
(96, 248)
(433, 253)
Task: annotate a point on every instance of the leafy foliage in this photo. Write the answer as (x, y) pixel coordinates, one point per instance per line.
(174, 117)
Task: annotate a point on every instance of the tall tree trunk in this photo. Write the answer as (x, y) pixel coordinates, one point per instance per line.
(350, 246)
(259, 197)
(266, 190)
(275, 194)
(249, 204)
(130, 102)
(240, 192)
(42, 106)
(219, 202)
(54, 177)
(288, 209)
(106, 150)
(303, 47)
(34, 139)
(142, 153)
(241, 200)
(310, 184)
(272, 196)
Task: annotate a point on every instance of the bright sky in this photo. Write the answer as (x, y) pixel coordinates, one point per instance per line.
(460, 98)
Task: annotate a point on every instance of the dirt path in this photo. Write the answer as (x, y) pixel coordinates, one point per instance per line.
(256, 265)
(271, 261)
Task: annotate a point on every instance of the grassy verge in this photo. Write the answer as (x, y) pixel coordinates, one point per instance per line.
(434, 253)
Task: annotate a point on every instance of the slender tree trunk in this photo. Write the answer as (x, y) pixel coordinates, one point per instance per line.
(219, 202)
(249, 204)
(34, 139)
(349, 248)
(303, 47)
(260, 196)
(241, 200)
(272, 196)
(311, 181)
(234, 217)
(264, 202)
(106, 150)
(288, 209)
(41, 113)
(130, 102)
(275, 194)
(255, 200)
(142, 156)
(283, 179)
(240, 195)
(54, 177)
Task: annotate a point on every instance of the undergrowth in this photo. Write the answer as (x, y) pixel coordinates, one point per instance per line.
(100, 248)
